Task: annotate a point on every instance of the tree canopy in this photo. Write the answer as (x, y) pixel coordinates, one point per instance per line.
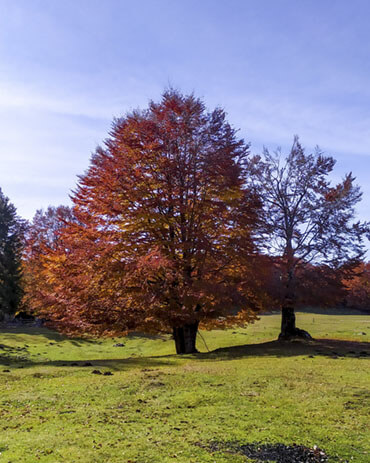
(162, 231)
(306, 219)
(174, 225)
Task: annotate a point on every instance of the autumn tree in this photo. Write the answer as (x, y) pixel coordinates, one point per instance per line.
(358, 288)
(162, 236)
(315, 285)
(41, 242)
(11, 231)
(306, 220)
(321, 285)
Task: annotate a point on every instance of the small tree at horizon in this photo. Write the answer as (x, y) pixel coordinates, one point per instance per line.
(41, 241)
(162, 236)
(306, 220)
(358, 288)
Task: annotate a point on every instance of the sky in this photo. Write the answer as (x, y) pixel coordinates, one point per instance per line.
(278, 68)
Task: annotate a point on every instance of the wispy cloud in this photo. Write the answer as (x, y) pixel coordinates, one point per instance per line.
(67, 68)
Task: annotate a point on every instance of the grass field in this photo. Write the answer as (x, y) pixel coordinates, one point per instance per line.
(158, 407)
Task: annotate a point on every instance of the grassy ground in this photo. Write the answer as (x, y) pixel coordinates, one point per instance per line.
(157, 407)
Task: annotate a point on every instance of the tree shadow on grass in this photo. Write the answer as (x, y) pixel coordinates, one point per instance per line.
(146, 363)
(332, 348)
(324, 311)
(152, 337)
(329, 348)
(47, 333)
(10, 354)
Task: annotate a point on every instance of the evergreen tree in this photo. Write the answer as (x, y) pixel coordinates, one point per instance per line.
(10, 257)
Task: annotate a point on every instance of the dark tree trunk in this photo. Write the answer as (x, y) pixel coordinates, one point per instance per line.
(288, 326)
(185, 338)
(287, 320)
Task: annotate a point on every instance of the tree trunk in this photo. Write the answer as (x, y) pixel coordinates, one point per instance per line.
(185, 338)
(287, 321)
(288, 328)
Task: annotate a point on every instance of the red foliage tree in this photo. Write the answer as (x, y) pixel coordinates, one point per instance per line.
(315, 285)
(162, 235)
(42, 240)
(358, 288)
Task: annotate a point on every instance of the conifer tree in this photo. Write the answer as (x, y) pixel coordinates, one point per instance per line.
(10, 257)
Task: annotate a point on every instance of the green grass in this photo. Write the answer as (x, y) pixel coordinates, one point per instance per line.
(158, 407)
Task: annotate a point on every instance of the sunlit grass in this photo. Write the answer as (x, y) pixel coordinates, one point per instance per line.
(157, 407)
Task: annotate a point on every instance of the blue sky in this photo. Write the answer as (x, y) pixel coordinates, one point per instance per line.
(278, 67)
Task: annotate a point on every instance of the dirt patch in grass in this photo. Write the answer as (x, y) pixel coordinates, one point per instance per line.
(281, 453)
(272, 453)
